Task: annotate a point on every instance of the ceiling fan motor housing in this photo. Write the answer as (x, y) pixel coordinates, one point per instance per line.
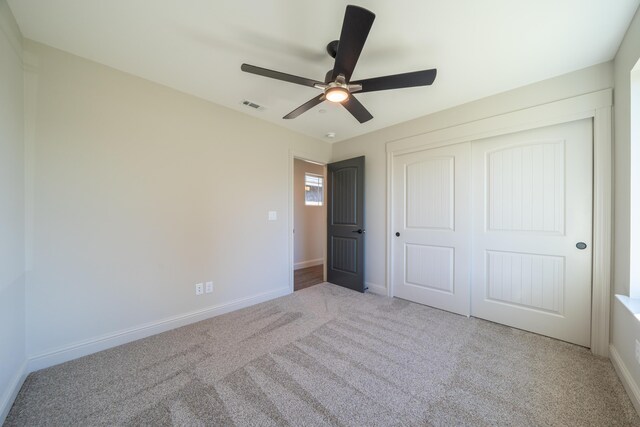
(332, 48)
(327, 77)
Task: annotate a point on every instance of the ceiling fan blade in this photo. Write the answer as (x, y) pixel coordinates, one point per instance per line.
(355, 29)
(305, 107)
(397, 81)
(357, 109)
(278, 75)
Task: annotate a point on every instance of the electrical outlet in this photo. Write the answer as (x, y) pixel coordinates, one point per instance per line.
(209, 287)
(637, 351)
(199, 289)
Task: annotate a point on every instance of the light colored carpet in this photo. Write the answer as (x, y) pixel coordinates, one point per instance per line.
(329, 356)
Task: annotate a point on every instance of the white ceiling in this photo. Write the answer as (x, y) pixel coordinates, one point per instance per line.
(196, 46)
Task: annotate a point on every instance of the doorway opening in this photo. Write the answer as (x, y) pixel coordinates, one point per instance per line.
(309, 223)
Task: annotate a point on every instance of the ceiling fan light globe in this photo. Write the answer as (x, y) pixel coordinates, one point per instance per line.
(337, 94)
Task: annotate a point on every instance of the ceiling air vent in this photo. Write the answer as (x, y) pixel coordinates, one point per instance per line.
(253, 105)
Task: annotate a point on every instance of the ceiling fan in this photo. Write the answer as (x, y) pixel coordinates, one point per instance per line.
(337, 86)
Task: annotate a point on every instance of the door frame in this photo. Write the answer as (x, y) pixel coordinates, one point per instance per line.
(596, 106)
(293, 155)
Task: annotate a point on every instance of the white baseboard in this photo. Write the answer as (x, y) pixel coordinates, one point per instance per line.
(625, 376)
(11, 392)
(93, 345)
(376, 289)
(310, 263)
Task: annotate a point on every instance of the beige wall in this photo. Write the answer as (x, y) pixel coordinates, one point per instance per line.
(309, 224)
(634, 193)
(372, 145)
(625, 330)
(12, 292)
(625, 327)
(626, 58)
(140, 192)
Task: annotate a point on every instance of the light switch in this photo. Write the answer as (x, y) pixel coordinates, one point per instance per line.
(273, 215)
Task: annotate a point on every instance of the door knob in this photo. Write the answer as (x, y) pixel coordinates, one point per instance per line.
(581, 245)
(359, 231)
(397, 234)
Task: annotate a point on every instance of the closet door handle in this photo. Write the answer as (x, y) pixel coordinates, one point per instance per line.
(397, 234)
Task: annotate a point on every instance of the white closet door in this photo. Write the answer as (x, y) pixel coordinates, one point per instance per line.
(532, 204)
(431, 235)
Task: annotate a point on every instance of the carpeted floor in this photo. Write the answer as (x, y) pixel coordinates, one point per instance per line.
(329, 356)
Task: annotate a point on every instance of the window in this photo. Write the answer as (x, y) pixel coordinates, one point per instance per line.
(313, 190)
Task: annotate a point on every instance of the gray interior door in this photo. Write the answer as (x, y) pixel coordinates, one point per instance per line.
(345, 224)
